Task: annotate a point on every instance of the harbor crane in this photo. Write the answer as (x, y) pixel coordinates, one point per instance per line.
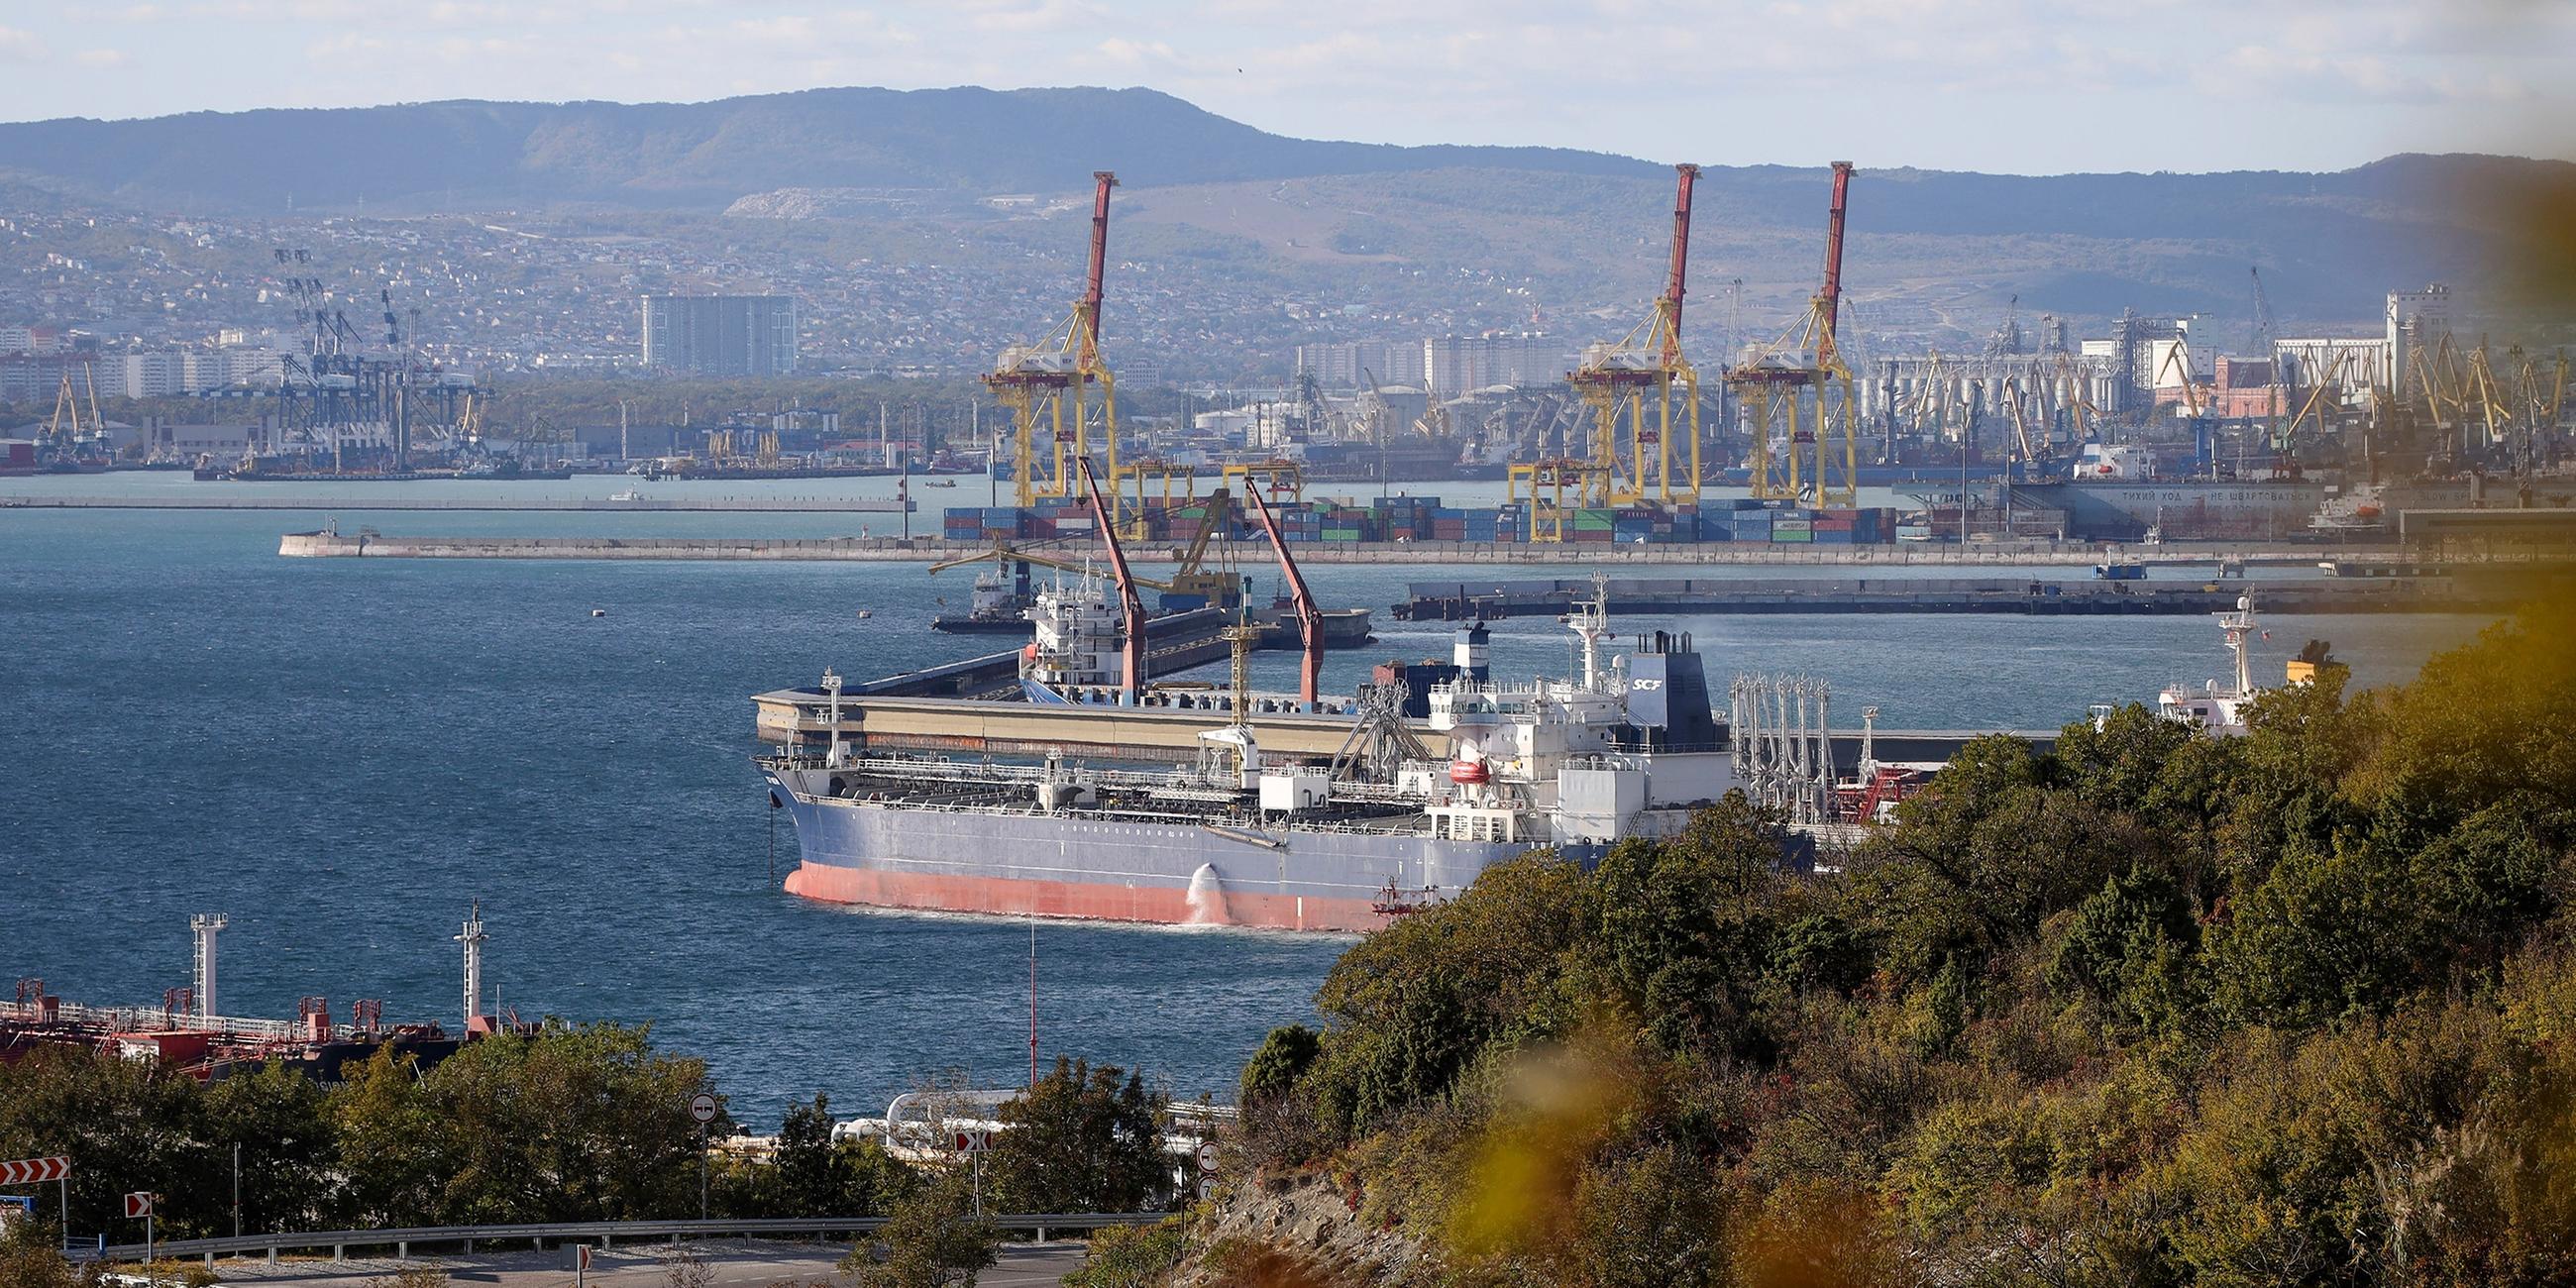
(1615, 380)
(70, 435)
(1047, 385)
(1797, 391)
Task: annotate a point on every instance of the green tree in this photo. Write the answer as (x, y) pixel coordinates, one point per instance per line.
(1284, 1057)
(289, 1152)
(1411, 1005)
(396, 1152)
(582, 1123)
(126, 1125)
(1682, 928)
(1134, 1256)
(932, 1239)
(1084, 1139)
(811, 1176)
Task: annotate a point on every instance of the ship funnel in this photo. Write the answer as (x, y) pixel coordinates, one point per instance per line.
(1472, 653)
(1207, 898)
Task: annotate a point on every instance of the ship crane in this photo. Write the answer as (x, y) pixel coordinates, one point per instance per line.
(1188, 578)
(1048, 383)
(1614, 381)
(1131, 652)
(1797, 390)
(1310, 619)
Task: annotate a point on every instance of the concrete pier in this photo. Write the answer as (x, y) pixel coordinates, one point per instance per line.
(323, 545)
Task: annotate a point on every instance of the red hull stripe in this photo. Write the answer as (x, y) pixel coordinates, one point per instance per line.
(1011, 897)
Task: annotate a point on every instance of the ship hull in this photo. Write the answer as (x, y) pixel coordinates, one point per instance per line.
(1022, 864)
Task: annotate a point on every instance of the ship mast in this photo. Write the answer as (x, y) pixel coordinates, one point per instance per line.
(2236, 626)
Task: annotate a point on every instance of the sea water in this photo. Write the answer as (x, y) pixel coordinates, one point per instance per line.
(343, 754)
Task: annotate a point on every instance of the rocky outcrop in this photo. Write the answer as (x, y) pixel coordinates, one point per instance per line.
(1302, 1230)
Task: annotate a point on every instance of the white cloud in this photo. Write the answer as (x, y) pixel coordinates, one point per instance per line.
(101, 58)
(20, 46)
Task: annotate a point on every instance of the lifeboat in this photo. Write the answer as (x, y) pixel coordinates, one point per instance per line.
(1467, 772)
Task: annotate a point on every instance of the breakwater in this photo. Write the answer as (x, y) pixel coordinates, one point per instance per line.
(927, 549)
(469, 505)
(1459, 601)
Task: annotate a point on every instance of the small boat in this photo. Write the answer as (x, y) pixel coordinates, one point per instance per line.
(626, 496)
(865, 614)
(599, 612)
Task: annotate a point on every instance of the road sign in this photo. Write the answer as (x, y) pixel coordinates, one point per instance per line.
(1207, 1188)
(1207, 1156)
(138, 1204)
(581, 1256)
(33, 1171)
(703, 1108)
(970, 1140)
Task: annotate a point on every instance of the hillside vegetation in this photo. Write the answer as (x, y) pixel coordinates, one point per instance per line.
(2150, 1009)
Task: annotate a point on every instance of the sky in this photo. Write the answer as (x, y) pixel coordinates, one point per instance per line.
(2015, 86)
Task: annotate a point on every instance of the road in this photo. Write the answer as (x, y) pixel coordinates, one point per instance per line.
(732, 1263)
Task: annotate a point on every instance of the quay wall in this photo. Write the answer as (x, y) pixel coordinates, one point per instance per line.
(323, 545)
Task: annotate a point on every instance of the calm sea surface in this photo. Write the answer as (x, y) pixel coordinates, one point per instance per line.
(342, 754)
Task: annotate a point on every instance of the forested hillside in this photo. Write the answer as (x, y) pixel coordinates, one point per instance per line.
(2152, 1008)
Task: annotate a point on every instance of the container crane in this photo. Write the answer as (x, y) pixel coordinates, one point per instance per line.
(1614, 379)
(1047, 383)
(1797, 391)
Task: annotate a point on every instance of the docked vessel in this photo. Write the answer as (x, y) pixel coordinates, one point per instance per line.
(1628, 746)
(2219, 707)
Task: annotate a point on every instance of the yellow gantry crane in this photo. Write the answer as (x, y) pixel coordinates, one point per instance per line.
(1797, 392)
(1047, 386)
(1632, 455)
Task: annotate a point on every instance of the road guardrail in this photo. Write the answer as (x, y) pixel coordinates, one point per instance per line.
(604, 1233)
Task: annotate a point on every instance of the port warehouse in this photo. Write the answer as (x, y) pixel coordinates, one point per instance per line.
(1425, 519)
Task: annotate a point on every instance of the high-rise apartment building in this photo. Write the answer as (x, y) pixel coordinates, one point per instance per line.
(720, 335)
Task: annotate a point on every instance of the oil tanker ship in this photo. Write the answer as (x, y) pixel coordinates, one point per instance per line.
(1627, 746)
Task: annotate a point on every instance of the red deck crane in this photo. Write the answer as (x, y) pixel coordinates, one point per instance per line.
(1673, 281)
(1131, 667)
(1310, 619)
(1829, 300)
(1102, 181)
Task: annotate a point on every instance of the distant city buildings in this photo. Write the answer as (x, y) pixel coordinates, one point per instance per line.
(1446, 364)
(2416, 319)
(39, 374)
(720, 335)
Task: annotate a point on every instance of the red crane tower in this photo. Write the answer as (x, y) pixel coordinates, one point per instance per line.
(1631, 458)
(1797, 391)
